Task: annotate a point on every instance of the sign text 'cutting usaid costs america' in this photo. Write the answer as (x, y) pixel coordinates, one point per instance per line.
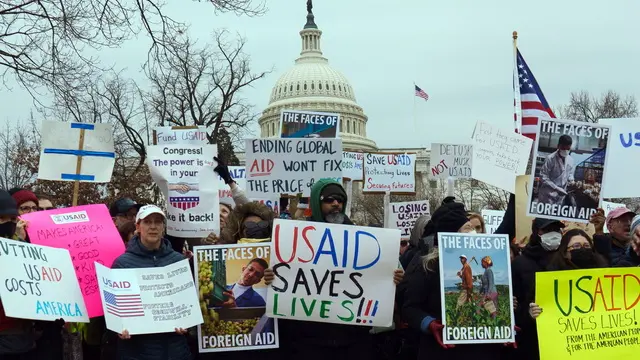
(333, 273)
(307, 124)
(290, 166)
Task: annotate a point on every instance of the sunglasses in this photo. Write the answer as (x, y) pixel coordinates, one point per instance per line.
(331, 199)
(254, 225)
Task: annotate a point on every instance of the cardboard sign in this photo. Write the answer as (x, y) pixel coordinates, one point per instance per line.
(88, 234)
(232, 296)
(477, 300)
(356, 262)
(395, 173)
(149, 300)
(290, 166)
(39, 283)
(403, 216)
(308, 124)
(451, 161)
(570, 161)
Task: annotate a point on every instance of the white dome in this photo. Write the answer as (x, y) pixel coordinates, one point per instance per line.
(312, 79)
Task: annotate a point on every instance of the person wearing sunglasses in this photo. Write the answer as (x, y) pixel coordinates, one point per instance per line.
(248, 223)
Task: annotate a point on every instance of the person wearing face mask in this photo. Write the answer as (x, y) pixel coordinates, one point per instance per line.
(557, 173)
(576, 251)
(535, 257)
(248, 223)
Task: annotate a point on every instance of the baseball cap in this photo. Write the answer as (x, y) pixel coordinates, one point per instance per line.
(147, 210)
(618, 212)
(122, 206)
(541, 223)
(463, 256)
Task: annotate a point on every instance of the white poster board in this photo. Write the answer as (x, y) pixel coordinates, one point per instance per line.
(290, 166)
(149, 300)
(624, 149)
(403, 216)
(499, 155)
(61, 149)
(451, 161)
(392, 172)
(352, 165)
(39, 283)
(357, 263)
(492, 219)
(187, 180)
(174, 135)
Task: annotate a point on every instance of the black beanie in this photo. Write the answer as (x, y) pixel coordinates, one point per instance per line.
(333, 190)
(449, 217)
(8, 205)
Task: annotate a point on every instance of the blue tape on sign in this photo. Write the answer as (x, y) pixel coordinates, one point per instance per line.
(82, 126)
(77, 177)
(80, 153)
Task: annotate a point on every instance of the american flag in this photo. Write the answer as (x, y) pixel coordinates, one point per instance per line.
(123, 305)
(420, 93)
(184, 202)
(533, 104)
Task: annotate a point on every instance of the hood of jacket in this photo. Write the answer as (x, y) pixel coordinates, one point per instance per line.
(135, 247)
(314, 199)
(232, 231)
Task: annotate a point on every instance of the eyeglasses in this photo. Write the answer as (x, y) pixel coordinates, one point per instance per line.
(28, 208)
(578, 246)
(331, 199)
(45, 208)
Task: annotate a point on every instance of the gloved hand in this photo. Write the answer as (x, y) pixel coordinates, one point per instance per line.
(435, 327)
(223, 171)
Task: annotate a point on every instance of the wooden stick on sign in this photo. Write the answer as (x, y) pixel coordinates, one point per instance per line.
(76, 183)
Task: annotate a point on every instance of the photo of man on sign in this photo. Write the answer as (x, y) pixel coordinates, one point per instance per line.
(241, 294)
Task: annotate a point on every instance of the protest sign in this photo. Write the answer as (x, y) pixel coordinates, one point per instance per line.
(69, 147)
(39, 283)
(588, 314)
(492, 219)
(290, 166)
(272, 203)
(569, 165)
(189, 186)
(308, 124)
(352, 165)
(451, 161)
(149, 300)
(607, 207)
(180, 135)
(403, 216)
(475, 287)
(624, 147)
(499, 155)
(340, 274)
(88, 233)
(395, 173)
(232, 297)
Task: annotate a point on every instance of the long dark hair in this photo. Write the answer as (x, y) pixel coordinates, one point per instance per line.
(560, 262)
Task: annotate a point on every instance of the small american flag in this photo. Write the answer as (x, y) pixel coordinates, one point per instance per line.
(533, 104)
(420, 93)
(184, 202)
(123, 305)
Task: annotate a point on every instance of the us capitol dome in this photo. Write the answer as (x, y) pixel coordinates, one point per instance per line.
(313, 85)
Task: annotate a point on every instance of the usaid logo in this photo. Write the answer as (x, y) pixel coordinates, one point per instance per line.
(74, 217)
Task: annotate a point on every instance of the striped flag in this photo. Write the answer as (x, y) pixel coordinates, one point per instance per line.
(533, 105)
(123, 305)
(420, 93)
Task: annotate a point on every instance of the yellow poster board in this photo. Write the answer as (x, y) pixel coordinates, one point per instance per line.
(589, 314)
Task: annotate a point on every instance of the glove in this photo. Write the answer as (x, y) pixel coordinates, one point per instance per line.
(435, 327)
(223, 171)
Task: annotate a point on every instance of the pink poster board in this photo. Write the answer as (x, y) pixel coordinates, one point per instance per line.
(89, 234)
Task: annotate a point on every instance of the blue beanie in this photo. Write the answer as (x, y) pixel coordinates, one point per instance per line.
(634, 224)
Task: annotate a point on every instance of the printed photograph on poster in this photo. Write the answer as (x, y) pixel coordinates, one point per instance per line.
(232, 296)
(308, 124)
(477, 302)
(569, 166)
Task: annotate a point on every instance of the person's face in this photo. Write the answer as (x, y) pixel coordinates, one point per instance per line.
(151, 229)
(620, 227)
(251, 274)
(332, 204)
(577, 242)
(224, 215)
(463, 260)
(484, 264)
(6, 218)
(404, 245)
(467, 228)
(27, 207)
(130, 215)
(45, 205)
(477, 225)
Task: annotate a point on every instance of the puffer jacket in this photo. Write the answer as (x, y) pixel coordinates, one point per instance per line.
(164, 346)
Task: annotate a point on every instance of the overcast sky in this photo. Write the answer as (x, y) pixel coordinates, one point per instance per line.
(459, 52)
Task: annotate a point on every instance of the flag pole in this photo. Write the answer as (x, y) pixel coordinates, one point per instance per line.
(415, 121)
(516, 86)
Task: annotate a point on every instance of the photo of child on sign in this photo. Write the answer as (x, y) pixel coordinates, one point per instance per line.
(569, 167)
(476, 288)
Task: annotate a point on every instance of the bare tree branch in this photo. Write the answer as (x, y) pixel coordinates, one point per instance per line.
(584, 107)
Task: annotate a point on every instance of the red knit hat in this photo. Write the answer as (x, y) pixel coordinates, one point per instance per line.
(23, 196)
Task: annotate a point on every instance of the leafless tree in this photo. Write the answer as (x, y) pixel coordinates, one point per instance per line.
(477, 195)
(194, 86)
(17, 143)
(584, 107)
(43, 42)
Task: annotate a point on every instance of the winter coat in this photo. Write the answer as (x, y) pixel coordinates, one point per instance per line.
(162, 346)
